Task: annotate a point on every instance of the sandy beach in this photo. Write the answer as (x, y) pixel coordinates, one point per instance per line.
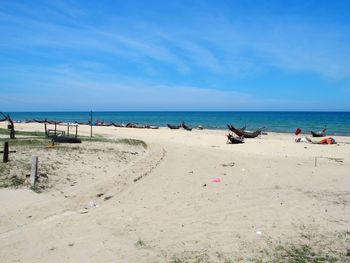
(116, 201)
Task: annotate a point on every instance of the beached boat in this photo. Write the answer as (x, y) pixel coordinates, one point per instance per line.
(173, 127)
(130, 125)
(234, 140)
(104, 124)
(187, 128)
(65, 139)
(152, 127)
(140, 126)
(319, 134)
(39, 121)
(244, 133)
(81, 123)
(118, 125)
(47, 121)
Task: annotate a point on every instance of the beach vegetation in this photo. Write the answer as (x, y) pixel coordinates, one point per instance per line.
(12, 182)
(13, 173)
(175, 259)
(23, 133)
(311, 247)
(37, 188)
(95, 138)
(3, 169)
(140, 243)
(192, 256)
(27, 142)
(298, 253)
(131, 142)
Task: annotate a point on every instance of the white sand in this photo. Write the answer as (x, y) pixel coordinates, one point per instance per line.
(270, 190)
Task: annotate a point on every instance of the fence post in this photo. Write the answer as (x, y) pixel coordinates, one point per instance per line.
(6, 152)
(90, 123)
(34, 170)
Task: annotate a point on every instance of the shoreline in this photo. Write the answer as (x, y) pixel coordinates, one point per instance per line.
(337, 123)
(195, 128)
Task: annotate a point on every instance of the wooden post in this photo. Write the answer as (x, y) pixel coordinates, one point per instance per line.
(34, 170)
(67, 129)
(45, 129)
(12, 133)
(6, 152)
(76, 131)
(90, 123)
(55, 128)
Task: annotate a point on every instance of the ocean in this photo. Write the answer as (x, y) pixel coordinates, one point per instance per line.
(337, 123)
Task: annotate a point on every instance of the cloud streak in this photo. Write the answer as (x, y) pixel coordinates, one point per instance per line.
(203, 51)
(287, 45)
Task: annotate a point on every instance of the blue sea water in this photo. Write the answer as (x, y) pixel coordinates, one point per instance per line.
(337, 123)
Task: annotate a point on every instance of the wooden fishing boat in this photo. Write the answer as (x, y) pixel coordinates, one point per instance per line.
(104, 124)
(319, 134)
(244, 133)
(187, 128)
(40, 121)
(82, 123)
(117, 125)
(173, 127)
(66, 139)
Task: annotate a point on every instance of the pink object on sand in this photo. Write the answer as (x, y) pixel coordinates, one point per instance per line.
(216, 180)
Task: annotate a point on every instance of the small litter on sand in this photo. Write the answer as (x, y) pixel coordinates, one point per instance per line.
(107, 198)
(258, 232)
(216, 180)
(91, 204)
(228, 164)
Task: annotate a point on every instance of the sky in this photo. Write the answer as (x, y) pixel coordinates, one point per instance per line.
(174, 55)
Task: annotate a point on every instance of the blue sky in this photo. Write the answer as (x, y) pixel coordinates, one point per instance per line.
(174, 55)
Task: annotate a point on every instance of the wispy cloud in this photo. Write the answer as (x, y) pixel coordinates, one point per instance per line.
(179, 55)
(242, 44)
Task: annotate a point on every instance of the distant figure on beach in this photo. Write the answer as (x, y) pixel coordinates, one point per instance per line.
(301, 138)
